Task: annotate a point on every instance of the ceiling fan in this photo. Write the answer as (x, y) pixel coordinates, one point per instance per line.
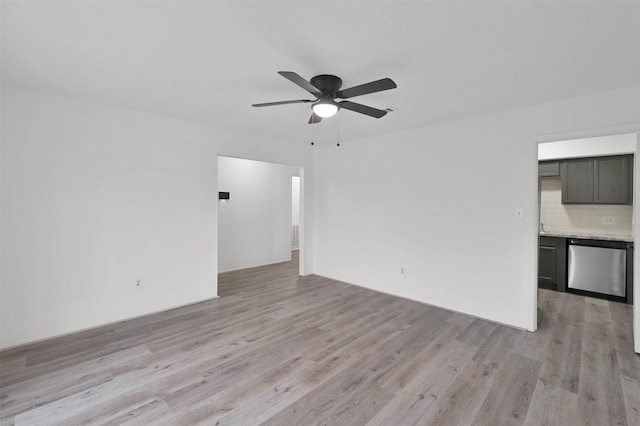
(326, 88)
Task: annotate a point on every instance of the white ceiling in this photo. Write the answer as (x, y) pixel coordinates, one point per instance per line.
(208, 61)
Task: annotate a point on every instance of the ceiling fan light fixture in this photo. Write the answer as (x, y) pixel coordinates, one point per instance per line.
(325, 109)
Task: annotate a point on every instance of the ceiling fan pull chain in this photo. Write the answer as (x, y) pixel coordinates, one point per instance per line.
(312, 137)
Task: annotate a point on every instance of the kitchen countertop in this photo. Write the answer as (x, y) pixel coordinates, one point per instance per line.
(628, 239)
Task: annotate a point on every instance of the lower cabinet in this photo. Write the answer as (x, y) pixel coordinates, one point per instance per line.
(552, 263)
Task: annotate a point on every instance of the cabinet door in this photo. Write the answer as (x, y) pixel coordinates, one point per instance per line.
(547, 266)
(577, 181)
(548, 168)
(613, 180)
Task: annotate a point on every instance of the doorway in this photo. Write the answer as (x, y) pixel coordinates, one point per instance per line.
(617, 222)
(255, 213)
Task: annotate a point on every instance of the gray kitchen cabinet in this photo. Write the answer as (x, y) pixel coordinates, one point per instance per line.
(552, 263)
(549, 168)
(599, 180)
(577, 181)
(613, 180)
(547, 267)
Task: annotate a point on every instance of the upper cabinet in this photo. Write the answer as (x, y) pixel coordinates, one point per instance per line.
(577, 181)
(549, 168)
(613, 180)
(599, 180)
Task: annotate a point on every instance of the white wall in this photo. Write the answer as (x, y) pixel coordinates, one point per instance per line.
(440, 202)
(95, 197)
(295, 200)
(588, 147)
(295, 212)
(254, 225)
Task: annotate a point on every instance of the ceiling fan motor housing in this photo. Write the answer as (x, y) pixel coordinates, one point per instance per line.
(328, 84)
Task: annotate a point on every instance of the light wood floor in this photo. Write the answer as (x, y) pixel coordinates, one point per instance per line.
(282, 350)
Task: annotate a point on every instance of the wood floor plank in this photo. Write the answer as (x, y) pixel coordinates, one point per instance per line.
(278, 349)
(81, 406)
(218, 403)
(325, 403)
(327, 365)
(563, 353)
(460, 402)
(496, 346)
(48, 387)
(412, 369)
(631, 391)
(154, 413)
(509, 397)
(416, 396)
(551, 406)
(476, 333)
(263, 406)
(535, 345)
(601, 400)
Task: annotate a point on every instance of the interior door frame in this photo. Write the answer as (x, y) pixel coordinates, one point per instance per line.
(302, 247)
(591, 133)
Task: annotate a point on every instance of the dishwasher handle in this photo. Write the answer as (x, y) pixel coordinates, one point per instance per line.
(620, 245)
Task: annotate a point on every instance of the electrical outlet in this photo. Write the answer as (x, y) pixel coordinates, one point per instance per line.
(139, 282)
(402, 270)
(608, 220)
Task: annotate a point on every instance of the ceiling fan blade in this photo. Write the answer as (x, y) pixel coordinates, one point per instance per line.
(364, 89)
(295, 78)
(300, 101)
(314, 118)
(362, 109)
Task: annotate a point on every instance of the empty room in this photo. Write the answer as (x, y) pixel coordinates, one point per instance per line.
(319, 212)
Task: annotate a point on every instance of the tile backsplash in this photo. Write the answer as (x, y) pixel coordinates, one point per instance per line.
(581, 218)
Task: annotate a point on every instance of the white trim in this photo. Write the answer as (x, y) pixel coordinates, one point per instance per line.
(588, 133)
(258, 266)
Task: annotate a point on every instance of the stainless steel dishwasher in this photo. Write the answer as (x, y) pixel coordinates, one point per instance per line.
(598, 266)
